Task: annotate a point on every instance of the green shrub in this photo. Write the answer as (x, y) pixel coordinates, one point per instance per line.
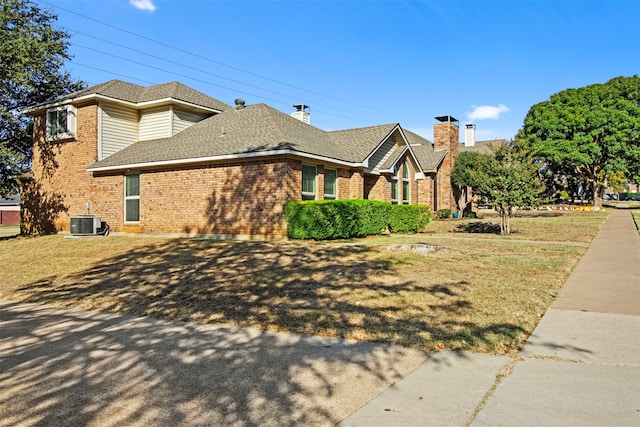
(343, 219)
(408, 218)
(444, 213)
(470, 215)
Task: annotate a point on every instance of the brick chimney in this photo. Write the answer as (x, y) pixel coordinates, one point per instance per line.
(446, 136)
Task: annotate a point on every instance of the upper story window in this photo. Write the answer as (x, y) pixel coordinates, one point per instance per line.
(330, 178)
(61, 122)
(309, 182)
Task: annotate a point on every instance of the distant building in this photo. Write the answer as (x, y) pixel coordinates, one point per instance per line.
(10, 210)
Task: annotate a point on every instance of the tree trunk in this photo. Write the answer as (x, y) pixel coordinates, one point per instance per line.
(598, 193)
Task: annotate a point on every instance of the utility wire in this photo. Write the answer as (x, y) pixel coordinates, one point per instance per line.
(204, 57)
(146, 81)
(192, 68)
(197, 80)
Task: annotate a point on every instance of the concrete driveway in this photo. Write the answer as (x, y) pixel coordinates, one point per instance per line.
(62, 367)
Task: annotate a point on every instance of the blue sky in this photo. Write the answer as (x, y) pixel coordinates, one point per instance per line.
(361, 63)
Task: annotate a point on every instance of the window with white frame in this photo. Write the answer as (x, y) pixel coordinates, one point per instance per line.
(309, 182)
(61, 122)
(132, 198)
(330, 188)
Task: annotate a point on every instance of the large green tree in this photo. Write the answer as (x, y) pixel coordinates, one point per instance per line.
(32, 57)
(507, 179)
(589, 133)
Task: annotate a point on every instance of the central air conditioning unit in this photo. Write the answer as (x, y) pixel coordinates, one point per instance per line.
(85, 225)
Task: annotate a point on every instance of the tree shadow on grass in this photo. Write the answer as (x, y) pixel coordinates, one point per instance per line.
(180, 373)
(478, 227)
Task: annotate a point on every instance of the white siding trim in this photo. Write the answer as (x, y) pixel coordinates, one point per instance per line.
(100, 112)
(210, 159)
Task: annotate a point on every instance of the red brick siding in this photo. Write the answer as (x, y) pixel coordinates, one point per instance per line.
(60, 185)
(446, 136)
(9, 217)
(236, 198)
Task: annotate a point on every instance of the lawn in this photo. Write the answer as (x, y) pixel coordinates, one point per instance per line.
(484, 294)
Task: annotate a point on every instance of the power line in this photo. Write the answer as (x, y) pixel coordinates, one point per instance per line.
(204, 57)
(190, 68)
(196, 79)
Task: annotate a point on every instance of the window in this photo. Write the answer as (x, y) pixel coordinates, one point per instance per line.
(394, 189)
(132, 198)
(308, 182)
(61, 123)
(330, 177)
(405, 184)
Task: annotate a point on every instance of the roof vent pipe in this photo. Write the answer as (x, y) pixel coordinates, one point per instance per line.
(239, 103)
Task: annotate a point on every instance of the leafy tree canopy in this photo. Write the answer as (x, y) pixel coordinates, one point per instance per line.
(507, 179)
(591, 133)
(32, 56)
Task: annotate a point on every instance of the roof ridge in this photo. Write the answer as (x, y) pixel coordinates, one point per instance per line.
(274, 127)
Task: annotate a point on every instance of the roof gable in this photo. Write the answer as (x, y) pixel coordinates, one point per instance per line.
(138, 96)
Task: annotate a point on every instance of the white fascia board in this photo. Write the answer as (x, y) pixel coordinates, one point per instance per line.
(148, 104)
(136, 105)
(199, 160)
(406, 141)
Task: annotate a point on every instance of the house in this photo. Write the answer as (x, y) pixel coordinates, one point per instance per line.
(10, 210)
(169, 159)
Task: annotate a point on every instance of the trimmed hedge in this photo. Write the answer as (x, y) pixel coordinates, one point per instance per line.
(343, 219)
(408, 218)
(444, 213)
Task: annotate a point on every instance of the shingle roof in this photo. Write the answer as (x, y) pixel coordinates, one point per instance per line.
(260, 129)
(359, 143)
(132, 93)
(428, 158)
(10, 200)
(487, 147)
(251, 130)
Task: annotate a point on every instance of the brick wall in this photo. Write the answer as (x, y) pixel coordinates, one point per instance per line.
(244, 198)
(235, 198)
(377, 187)
(9, 217)
(425, 191)
(61, 185)
(446, 136)
(356, 185)
(232, 198)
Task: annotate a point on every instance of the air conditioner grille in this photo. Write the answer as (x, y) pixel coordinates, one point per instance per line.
(82, 225)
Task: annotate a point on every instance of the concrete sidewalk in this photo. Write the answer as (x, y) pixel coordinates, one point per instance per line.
(581, 365)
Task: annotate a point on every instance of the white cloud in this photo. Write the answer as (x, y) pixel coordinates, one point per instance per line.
(143, 4)
(487, 112)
